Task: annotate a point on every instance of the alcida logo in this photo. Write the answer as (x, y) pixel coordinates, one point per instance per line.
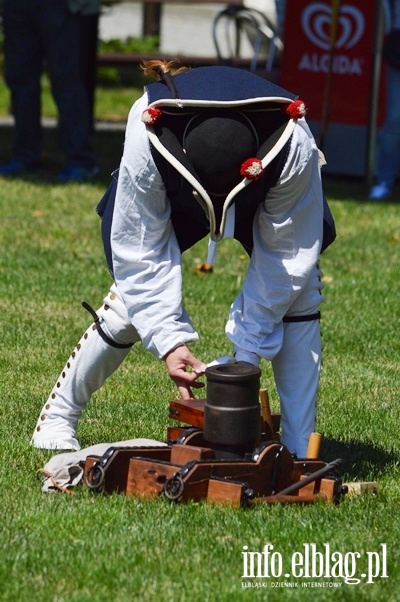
(317, 24)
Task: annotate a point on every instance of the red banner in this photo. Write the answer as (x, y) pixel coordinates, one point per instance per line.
(328, 57)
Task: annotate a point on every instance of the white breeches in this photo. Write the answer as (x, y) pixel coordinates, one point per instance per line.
(94, 360)
(90, 364)
(296, 371)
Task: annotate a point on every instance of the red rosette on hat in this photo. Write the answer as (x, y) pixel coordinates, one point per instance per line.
(251, 169)
(151, 115)
(296, 109)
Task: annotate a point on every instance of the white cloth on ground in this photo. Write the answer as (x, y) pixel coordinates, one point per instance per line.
(66, 470)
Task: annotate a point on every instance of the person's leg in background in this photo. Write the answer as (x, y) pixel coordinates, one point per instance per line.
(89, 42)
(23, 69)
(388, 161)
(61, 34)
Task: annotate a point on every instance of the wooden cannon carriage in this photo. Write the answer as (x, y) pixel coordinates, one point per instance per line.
(190, 467)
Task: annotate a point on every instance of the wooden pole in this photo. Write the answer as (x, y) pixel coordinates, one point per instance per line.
(152, 13)
(266, 410)
(374, 97)
(314, 446)
(325, 114)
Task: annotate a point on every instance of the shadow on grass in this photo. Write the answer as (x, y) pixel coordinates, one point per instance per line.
(108, 146)
(359, 458)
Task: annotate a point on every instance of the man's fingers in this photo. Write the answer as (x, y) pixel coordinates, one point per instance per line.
(184, 389)
(186, 385)
(197, 384)
(184, 369)
(185, 393)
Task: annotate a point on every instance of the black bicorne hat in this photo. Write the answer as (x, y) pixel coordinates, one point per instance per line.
(217, 143)
(219, 152)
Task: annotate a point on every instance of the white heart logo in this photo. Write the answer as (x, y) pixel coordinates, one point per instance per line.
(316, 21)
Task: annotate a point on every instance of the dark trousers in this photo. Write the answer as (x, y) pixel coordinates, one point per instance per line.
(38, 33)
(89, 39)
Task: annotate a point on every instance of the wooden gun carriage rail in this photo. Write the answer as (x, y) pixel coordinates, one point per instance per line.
(190, 468)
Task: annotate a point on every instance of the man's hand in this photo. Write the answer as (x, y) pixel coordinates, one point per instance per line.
(176, 362)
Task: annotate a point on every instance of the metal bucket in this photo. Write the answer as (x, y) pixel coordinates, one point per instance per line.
(232, 407)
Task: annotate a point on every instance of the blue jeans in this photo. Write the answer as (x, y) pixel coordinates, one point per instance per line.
(39, 32)
(388, 164)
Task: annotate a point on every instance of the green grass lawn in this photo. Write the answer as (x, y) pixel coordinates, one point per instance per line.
(85, 548)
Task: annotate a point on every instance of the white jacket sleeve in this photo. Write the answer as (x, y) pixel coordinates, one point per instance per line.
(287, 240)
(145, 253)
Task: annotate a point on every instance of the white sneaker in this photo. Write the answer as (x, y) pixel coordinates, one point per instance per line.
(380, 192)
